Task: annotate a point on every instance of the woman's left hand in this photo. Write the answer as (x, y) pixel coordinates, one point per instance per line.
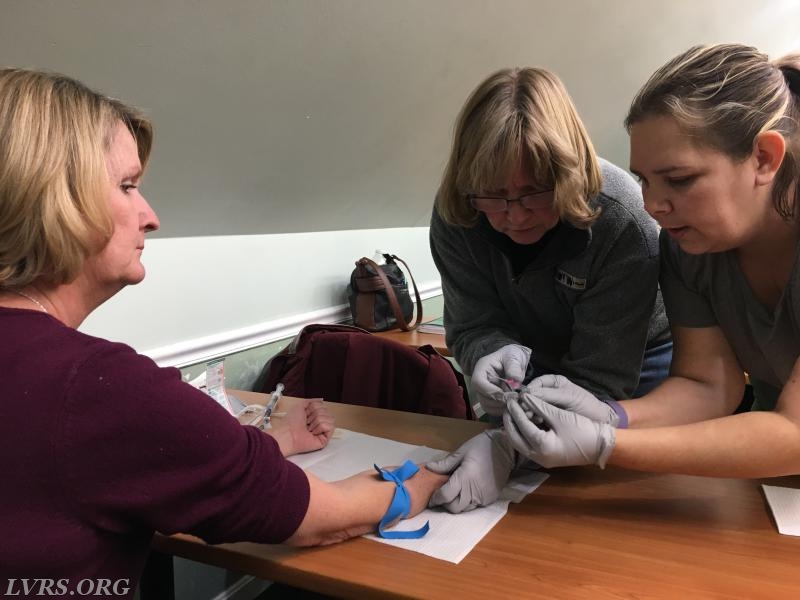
(307, 426)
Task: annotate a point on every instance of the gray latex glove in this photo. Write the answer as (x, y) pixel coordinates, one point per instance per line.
(561, 392)
(479, 470)
(564, 439)
(507, 363)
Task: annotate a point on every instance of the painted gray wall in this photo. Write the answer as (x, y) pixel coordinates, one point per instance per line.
(280, 116)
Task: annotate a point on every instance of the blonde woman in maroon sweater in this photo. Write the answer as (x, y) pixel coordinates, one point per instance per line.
(121, 447)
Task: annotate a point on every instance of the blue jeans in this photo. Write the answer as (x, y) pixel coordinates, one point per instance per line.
(655, 368)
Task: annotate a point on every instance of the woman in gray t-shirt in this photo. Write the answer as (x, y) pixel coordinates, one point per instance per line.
(715, 141)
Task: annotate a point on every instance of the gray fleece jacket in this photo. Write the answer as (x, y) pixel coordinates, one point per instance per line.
(587, 305)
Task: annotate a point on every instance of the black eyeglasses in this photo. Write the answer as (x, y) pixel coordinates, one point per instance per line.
(491, 204)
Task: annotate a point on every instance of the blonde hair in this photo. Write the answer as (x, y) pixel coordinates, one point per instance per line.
(516, 111)
(724, 96)
(54, 136)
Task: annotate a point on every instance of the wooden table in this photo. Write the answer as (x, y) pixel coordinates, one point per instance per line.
(416, 339)
(585, 533)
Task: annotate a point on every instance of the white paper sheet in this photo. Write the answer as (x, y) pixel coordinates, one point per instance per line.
(785, 506)
(451, 537)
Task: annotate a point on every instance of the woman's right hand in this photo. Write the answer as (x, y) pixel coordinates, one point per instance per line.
(506, 365)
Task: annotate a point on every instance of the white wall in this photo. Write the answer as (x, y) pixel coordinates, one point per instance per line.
(207, 296)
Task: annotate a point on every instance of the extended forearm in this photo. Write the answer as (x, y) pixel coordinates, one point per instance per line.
(680, 400)
(343, 509)
(758, 444)
(354, 506)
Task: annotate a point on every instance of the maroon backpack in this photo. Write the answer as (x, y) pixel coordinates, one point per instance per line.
(346, 364)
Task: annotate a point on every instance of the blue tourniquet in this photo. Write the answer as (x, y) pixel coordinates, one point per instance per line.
(401, 503)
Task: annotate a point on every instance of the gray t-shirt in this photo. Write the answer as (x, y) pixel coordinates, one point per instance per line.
(710, 290)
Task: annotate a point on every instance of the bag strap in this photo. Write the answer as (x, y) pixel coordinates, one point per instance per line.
(390, 295)
(418, 320)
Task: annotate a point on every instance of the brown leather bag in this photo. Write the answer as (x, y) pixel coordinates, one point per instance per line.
(379, 297)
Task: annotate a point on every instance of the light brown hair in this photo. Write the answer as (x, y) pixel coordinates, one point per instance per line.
(516, 111)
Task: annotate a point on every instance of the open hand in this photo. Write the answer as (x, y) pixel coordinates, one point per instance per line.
(478, 471)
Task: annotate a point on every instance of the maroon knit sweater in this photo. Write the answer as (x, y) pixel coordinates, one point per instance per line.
(99, 447)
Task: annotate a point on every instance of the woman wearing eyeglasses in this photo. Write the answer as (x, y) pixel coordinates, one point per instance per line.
(549, 264)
